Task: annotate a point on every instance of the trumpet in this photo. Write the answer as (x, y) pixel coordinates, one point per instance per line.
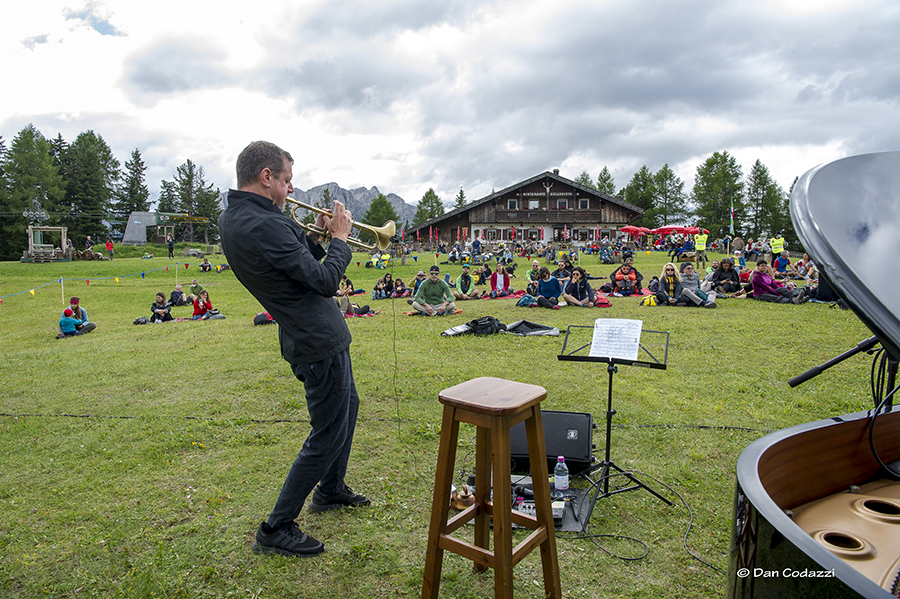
(382, 234)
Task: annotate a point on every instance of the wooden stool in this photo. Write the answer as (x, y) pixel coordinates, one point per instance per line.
(493, 406)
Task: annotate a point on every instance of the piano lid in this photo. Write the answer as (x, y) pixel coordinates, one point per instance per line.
(847, 214)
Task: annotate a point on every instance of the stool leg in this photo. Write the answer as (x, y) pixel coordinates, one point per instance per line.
(537, 456)
(482, 490)
(440, 503)
(502, 503)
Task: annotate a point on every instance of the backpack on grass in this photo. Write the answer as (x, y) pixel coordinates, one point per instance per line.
(486, 325)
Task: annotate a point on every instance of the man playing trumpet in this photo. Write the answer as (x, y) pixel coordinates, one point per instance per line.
(282, 266)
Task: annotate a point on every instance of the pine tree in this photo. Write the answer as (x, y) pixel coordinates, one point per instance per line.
(92, 175)
(460, 199)
(586, 180)
(605, 182)
(29, 175)
(380, 211)
(189, 193)
(717, 184)
(429, 207)
(641, 191)
(134, 196)
(765, 202)
(671, 200)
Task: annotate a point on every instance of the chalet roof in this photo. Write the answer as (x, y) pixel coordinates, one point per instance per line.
(545, 175)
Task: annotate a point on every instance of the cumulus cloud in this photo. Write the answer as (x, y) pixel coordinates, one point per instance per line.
(35, 40)
(175, 65)
(96, 16)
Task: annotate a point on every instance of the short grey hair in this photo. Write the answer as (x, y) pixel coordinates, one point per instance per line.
(257, 156)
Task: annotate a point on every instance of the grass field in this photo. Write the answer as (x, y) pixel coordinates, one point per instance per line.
(137, 461)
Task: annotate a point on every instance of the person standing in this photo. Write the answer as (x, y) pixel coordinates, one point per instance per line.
(700, 247)
(170, 241)
(283, 268)
(778, 244)
(109, 248)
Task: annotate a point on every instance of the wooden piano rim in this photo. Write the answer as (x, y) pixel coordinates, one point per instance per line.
(791, 467)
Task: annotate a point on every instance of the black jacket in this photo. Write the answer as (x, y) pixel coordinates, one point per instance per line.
(277, 262)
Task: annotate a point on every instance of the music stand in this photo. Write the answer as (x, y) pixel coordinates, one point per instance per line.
(581, 355)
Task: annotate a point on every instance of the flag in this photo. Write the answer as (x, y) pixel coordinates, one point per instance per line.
(513, 233)
(457, 233)
(167, 269)
(357, 263)
(430, 233)
(598, 233)
(565, 231)
(31, 291)
(403, 233)
(117, 280)
(542, 233)
(417, 235)
(87, 281)
(142, 275)
(732, 214)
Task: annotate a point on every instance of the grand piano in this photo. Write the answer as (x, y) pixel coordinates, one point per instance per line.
(817, 506)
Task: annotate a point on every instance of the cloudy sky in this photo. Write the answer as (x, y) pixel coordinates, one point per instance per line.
(407, 95)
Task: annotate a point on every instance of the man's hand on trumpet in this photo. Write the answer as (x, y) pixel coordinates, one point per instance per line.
(339, 224)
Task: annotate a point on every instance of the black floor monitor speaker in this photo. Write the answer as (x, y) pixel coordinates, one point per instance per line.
(568, 434)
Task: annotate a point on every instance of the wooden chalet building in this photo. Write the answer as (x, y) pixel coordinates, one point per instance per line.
(546, 208)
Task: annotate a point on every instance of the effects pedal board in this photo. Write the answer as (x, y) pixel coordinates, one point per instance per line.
(559, 509)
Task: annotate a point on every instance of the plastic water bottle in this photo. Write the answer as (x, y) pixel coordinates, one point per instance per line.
(561, 475)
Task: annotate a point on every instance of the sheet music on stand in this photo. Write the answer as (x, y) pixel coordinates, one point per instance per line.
(616, 341)
(616, 338)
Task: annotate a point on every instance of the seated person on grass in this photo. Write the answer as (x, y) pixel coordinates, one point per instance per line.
(179, 297)
(690, 287)
(549, 289)
(532, 278)
(346, 287)
(500, 282)
(388, 284)
(420, 278)
(202, 306)
(783, 268)
(624, 281)
(725, 279)
(638, 276)
(80, 313)
(767, 289)
(348, 307)
(484, 274)
(205, 266)
(378, 292)
(669, 292)
(400, 290)
(434, 295)
(160, 310)
(579, 292)
(195, 290)
(561, 274)
(465, 286)
(68, 324)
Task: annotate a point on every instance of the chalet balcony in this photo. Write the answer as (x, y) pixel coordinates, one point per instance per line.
(538, 217)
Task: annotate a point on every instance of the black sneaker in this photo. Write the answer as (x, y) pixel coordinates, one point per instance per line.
(346, 498)
(288, 540)
(409, 301)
